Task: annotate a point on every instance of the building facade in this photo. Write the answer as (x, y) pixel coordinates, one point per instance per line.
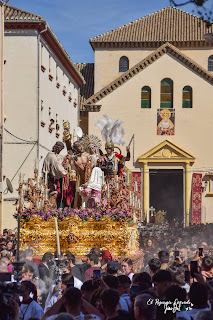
(41, 91)
(156, 75)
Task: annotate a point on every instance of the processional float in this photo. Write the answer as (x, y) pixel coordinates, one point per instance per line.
(109, 208)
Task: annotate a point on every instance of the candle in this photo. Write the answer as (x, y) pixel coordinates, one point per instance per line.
(22, 199)
(130, 198)
(20, 178)
(46, 192)
(45, 179)
(108, 190)
(102, 178)
(37, 181)
(136, 186)
(128, 176)
(57, 238)
(117, 184)
(74, 135)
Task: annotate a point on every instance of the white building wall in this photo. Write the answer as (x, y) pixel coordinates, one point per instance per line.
(22, 100)
(55, 105)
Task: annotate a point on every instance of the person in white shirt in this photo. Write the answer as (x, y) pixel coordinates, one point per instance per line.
(127, 267)
(73, 302)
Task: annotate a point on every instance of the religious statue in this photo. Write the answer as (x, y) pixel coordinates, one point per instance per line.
(112, 133)
(60, 177)
(83, 166)
(91, 191)
(92, 145)
(54, 170)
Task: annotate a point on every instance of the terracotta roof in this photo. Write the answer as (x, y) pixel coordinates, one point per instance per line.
(166, 25)
(15, 17)
(12, 13)
(86, 90)
(143, 64)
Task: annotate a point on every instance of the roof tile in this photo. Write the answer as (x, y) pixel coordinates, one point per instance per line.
(168, 25)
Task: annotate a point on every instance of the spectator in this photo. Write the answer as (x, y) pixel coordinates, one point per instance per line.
(162, 281)
(207, 267)
(142, 277)
(27, 272)
(87, 289)
(124, 288)
(3, 267)
(143, 308)
(94, 260)
(198, 296)
(109, 304)
(106, 256)
(67, 269)
(127, 267)
(29, 261)
(112, 268)
(183, 252)
(113, 283)
(164, 259)
(75, 269)
(149, 246)
(154, 266)
(29, 307)
(44, 270)
(66, 280)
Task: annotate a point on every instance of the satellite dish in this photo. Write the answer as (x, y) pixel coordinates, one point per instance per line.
(208, 37)
(79, 132)
(9, 185)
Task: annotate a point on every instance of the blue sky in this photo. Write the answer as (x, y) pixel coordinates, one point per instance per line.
(75, 22)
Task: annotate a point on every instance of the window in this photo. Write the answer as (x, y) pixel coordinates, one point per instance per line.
(210, 63)
(123, 64)
(166, 93)
(146, 97)
(187, 97)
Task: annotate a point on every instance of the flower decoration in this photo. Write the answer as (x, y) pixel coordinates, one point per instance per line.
(83, 214)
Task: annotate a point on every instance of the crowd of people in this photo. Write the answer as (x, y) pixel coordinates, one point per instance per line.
(174, 283)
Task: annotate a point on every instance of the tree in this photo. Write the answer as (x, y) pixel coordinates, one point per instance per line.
(201, 6)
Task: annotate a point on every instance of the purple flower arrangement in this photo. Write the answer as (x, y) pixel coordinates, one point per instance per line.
(83, 214)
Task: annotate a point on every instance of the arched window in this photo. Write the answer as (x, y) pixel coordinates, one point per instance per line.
(210, 63)
(123, 64)
(187, 97)
(166, 93)
(146, 97)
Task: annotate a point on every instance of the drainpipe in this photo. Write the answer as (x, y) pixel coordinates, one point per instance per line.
(38, 102)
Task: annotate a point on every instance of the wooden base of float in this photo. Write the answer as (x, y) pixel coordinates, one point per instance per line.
(78, 236)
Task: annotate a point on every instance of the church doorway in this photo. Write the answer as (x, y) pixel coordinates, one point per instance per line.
(166, 192)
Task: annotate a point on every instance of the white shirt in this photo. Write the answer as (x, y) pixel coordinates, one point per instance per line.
(52, 299)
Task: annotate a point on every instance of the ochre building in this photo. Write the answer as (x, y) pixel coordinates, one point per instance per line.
(156, 75)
